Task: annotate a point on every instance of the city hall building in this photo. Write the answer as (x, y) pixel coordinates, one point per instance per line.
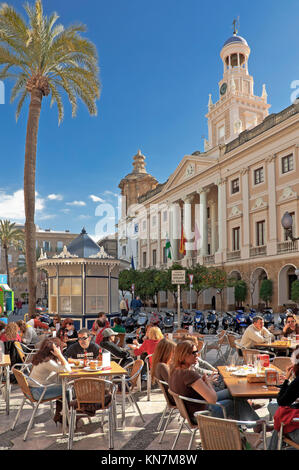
(230, 199)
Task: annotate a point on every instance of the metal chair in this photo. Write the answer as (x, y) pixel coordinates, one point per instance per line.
(221, 341)
(148, 376)
(282, 362)
(92, 391)
(134, 370)
(170, 408)
(23, 380)
(286, 439)
(225, 434)
(181, 405)
(24, 352)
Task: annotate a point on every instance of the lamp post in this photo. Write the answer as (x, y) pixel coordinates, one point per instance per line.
(287, 223)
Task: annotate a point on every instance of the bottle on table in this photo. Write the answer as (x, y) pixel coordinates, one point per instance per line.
(85, 362)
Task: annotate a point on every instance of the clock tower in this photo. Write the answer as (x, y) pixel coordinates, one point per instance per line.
(237, 108)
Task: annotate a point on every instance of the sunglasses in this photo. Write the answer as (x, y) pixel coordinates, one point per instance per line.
(195, 352)
(83, 338)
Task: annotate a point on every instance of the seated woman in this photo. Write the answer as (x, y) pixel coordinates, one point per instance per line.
(47, 363)
(27, 333)
(104, 323)
(161, 361)
(71, 332)
(11, 333)
(288, 394)
(56, 322)
(108, 344)
(154, 335)
(191, 384)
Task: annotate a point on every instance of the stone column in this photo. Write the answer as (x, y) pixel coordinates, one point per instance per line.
(245, 229)
(213, 227)
(188, 224)
(220, 255)
(272, 237)
(148, 231)
(203, 222)
(159, 260)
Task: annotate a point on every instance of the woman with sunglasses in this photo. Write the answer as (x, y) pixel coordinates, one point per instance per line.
(291, 326)
(191, 384)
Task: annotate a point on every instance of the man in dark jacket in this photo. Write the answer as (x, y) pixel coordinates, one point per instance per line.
(136, 304)
(108, 344)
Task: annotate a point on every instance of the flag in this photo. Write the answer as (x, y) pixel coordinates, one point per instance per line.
(168, 248)
(132, 262)
(182, 249)
(196, 237)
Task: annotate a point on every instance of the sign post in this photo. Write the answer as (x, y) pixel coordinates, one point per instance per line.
(178, 276)
(191, 286)
(133, 290)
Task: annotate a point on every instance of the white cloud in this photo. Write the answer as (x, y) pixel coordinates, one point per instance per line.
(111, 193)
(55, 197)
(76, 203)
(12, 205)
(96, 198)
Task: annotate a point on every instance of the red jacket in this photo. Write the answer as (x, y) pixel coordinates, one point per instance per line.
(284, 415)
(40, 324)
(4, 338)
(148, 346)
(99, 337)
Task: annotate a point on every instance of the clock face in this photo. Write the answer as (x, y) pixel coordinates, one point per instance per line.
(223, 88)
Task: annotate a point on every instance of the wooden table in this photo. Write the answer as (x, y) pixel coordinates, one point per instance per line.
(277, 345)
(5, 364)
(77, 373)
(240, 388)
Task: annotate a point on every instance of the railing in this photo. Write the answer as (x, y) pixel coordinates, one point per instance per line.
(209, 259)
(287, 246)
(232, 255)
(258, 251)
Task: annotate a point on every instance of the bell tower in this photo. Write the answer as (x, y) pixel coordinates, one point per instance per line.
(237, 108)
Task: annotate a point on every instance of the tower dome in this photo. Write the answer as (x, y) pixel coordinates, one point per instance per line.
(235, 39)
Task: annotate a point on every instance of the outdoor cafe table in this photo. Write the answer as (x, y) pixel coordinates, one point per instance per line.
(240, 388)
(278, 346)
(5, 364)
(76, 373)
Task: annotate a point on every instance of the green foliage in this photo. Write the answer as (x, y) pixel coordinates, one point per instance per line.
(240, 291)
(266, 290)
(127, 277)
(295, 291)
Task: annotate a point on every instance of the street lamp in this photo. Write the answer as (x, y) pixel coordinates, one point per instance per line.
(287, 223)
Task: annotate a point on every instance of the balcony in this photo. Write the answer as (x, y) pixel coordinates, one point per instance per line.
(287, 246)
(233, 255)
(258, 251)
(209, 259)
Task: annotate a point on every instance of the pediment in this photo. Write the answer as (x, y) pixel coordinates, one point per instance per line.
(188, 168)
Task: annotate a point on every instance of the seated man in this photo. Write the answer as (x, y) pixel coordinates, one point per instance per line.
(255, 334)
(78, 349)
(108, 344)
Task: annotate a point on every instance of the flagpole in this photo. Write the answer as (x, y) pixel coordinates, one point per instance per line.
(179, 306)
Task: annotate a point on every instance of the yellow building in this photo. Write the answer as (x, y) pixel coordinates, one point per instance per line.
(230, 199)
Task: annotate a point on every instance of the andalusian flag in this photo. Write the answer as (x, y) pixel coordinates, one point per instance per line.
(182, 249)
(168, 248)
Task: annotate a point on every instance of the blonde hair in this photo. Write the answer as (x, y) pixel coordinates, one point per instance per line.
(155, 333)
(163, 351)
(11, 331)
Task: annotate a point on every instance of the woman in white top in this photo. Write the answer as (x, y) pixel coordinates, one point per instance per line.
(47, 363)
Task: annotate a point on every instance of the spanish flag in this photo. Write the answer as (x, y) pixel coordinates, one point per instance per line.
(182, 249)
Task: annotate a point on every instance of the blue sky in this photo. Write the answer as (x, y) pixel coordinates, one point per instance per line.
(159, 60)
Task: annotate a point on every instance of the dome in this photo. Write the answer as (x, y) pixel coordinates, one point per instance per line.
(235, 39)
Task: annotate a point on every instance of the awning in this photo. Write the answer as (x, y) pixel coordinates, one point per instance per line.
(5, 288)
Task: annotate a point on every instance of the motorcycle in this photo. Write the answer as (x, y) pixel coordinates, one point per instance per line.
(250, 316)
(156, 319)
(168, 321)
(187, 320)
(199, 321)
(240, 322)
(212, 322)
(228, 321)
(268, 317)
(142, 320)
(131, 322)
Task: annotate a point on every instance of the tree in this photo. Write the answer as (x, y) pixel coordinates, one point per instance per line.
(217, 278)
(295, 291)
(200, 279)
(266, 290)
(126, 278)
(44, 58)
(240, 291)
(10, 236)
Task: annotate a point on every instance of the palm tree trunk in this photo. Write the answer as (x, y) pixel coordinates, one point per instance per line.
(29, 194)
(6, 263)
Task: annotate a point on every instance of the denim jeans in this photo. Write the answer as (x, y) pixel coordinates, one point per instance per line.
(53, 391)
(240, 410)
(294, 435)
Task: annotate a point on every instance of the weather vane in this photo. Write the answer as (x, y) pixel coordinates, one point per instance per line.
(235, 24)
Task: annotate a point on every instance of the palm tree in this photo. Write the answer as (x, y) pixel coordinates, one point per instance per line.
(10, 236)
(44, 58)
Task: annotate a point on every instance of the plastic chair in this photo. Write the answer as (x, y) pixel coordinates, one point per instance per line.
(282, 362)
(92, 391)
(22, 380)
(134, 370)
(225, 434)
(181, 405)
(286, 439)
(169, 408)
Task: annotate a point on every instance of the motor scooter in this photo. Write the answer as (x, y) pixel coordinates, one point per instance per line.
(268, 317)
(228, 321)
(168, 321)
(187, 320)
(240, 322)
(212, 322)
(199, 321)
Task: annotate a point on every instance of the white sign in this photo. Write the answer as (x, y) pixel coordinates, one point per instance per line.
(191, 276)
(106, 359)
(178, 276)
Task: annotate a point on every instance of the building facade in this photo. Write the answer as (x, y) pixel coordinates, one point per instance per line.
(230, 199)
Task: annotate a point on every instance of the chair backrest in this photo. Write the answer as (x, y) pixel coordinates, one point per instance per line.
(90, 390)
(20, 350)
(23, 383)
(148, 361)
(218, 433)
(282, 362)
(222, 337)
(231, 340)
(135, 370)
(164, 388)
(179, 400)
